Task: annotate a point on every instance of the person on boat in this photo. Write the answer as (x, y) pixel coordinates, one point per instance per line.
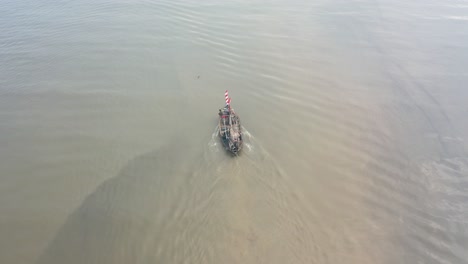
(223, 112)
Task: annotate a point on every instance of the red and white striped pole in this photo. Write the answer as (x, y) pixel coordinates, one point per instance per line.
(227, 99)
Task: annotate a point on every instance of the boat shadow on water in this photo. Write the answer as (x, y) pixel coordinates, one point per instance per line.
(114, 224)
(161, 207)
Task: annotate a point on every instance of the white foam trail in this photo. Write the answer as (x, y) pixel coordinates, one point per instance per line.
(214, 142)
(246, 133)
(249, 147)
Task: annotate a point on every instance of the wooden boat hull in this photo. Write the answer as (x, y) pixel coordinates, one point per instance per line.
(230, 130)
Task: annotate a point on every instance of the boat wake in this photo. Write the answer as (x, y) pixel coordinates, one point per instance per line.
(214, 144)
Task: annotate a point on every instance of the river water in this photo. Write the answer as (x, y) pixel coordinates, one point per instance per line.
(354, 114)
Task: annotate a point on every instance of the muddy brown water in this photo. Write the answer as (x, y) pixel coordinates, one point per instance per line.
(354, 113)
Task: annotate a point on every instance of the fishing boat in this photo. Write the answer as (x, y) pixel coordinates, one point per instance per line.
(230, 130)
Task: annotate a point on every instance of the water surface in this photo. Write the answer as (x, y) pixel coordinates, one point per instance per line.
(354, 113)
